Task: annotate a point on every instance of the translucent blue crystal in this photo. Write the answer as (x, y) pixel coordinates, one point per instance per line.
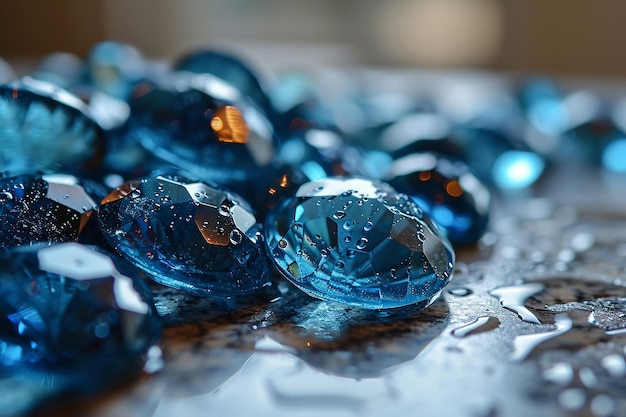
(67, 312)
(115, 68)
(42, 208)
(231, 69)
(202, 125)
(446, 189)
(359, 242)
(45, 127)
(186, 234)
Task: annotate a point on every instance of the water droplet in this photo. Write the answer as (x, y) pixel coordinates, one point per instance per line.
(602, 405)
(324, 253)
(150, 255)
(4, 196)
(282, 243)
(235, 237)
(348, 224)
(514, 297)
(135, 194)
(340, 264)
(318, 236)
(572, 399)
(523, 345)
(347, 239)
(479, 325)
(559, 373)
(368, 226)
(614, 365)
(361, 243)
(223, 210)
(339, 214)
(350, 254)
(460, 291)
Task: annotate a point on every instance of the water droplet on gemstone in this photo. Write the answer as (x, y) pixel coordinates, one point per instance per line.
(361, 243)
(348, 224)
(236, 237)
(223, 210)
(339, 214)
(368, 226)
(347, 239)
(282, 243)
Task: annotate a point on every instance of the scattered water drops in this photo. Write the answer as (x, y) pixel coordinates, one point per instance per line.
(478, 325)
(368, 226)
(362, 243)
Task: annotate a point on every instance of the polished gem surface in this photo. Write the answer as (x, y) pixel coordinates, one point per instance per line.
(43, 127)
(447, 191)
(202, 125)
(67, 311)
(361, 243)
(186, 234)
(42, 208)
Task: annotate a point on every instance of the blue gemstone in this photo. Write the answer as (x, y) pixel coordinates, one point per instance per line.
(544, 106)
(115, 68)
(186, 234)
(589, 139)
(45, 127)
(614, 156)
(359, 242)
(69, 313)
(200, 124)
(230, 69)
(62, 69)
(42, 208)
(446, 189)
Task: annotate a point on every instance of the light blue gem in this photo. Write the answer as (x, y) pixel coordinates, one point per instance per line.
(359, 242)
(517, 169)
(614, 156)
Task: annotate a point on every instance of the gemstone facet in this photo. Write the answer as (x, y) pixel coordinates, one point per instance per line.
(42, 208)
(359, 242)
(447, 191)
(186, 234)
(67, 310)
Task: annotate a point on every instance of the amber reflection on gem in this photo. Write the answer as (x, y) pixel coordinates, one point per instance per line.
(121, 192)
(424, 176)
(229, 125)
(453, 188)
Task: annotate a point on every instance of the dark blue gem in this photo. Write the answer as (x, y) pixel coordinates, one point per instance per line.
(447, 190)
(48, 208)
(359, 242)
(230, 69)
(45, 127)
(68, 313)
(186, 234)
(200, 124)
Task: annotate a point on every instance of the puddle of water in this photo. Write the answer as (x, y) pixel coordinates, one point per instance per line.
(513, 298)
(479, 325)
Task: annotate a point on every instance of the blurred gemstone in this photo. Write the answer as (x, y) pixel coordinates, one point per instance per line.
(202, 125)
(186, 234)
(62, 69)
(42, 208)
(230, 69)
(517, 169)
(45, 127)
(589, 139)
(359, 242)
(70, 314)
(115, 68)
(614, 156)
(446, 190)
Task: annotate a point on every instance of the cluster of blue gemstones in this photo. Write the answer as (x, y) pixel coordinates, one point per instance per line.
(211, 179)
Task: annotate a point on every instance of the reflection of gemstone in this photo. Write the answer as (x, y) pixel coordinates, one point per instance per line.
(43, 126)
(361, 243)
(202, 125)
(446, 190)
(49, 208)
(67, 310)
(186, 234)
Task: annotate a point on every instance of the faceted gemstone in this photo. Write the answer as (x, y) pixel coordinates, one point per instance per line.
(186, 234)
(359, 242)
(44, 127)
(42, 208)
(68, 312)
(230, 69)
(447, 191)
(202, 125)
(115, 68)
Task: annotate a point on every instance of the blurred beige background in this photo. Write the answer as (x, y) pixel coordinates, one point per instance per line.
(573, 37)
